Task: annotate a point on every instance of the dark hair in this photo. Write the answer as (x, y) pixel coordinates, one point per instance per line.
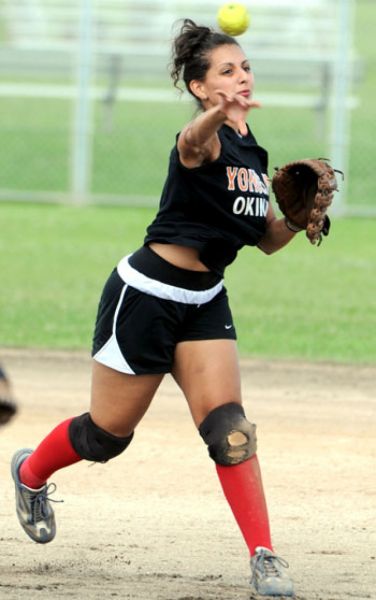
(190, 51)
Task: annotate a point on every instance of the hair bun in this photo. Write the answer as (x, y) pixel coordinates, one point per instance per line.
(190, 39)
(191, 48)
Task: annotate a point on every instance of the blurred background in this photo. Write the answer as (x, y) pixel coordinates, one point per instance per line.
(88, 112)
(88, 117)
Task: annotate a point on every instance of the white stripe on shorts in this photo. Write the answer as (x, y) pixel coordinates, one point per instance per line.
(164, 290)
(110, 354)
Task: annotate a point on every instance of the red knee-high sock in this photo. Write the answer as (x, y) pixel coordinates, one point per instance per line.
(53, 453)
(242, 486)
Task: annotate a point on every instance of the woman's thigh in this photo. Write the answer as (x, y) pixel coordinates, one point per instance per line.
(208, 373)
(118, 400)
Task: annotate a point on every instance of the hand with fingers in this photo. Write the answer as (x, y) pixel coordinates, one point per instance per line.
(236, 108)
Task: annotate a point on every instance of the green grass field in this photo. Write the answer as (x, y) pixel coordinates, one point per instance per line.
(303, 302)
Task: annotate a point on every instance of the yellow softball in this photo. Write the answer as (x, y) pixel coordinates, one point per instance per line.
(233, 18)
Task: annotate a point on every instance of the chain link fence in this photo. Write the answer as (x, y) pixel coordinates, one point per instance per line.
(89, 114)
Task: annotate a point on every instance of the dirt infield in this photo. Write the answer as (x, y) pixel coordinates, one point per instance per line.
(153, 524)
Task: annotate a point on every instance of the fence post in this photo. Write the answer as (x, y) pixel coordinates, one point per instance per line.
(340, 126)
(81, 150)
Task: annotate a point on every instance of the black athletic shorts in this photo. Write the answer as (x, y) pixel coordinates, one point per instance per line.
(148, 306)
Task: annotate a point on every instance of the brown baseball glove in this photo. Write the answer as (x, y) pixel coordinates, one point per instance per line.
(304, 190)
(8, 407)
(7, 410)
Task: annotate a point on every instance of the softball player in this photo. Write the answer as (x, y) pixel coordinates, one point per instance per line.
(165, 309)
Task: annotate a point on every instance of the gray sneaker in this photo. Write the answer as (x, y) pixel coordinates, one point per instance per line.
(34, 511)
(268, 574)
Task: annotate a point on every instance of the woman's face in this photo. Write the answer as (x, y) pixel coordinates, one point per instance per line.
(229, 72)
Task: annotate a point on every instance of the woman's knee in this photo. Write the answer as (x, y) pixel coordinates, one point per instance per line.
(230, 437)
(94, 443)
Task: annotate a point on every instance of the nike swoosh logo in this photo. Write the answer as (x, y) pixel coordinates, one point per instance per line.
(228, 326)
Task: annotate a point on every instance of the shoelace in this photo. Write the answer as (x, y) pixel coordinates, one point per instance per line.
(268, 565)
(39, 502)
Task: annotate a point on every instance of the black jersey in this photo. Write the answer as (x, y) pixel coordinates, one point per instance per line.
(218, 207)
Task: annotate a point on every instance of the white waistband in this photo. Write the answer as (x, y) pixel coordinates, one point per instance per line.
(145, 284)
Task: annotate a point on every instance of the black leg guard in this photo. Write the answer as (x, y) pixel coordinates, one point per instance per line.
(231, 439)
(93, 443)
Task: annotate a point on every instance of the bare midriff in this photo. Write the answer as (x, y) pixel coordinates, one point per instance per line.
(179, 256)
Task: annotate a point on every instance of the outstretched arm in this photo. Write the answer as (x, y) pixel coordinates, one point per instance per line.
(199, 141)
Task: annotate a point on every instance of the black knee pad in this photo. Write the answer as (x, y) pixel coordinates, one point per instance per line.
(93, 443)
(231, 439)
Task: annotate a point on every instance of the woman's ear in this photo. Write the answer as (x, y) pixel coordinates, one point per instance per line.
(198, 89)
